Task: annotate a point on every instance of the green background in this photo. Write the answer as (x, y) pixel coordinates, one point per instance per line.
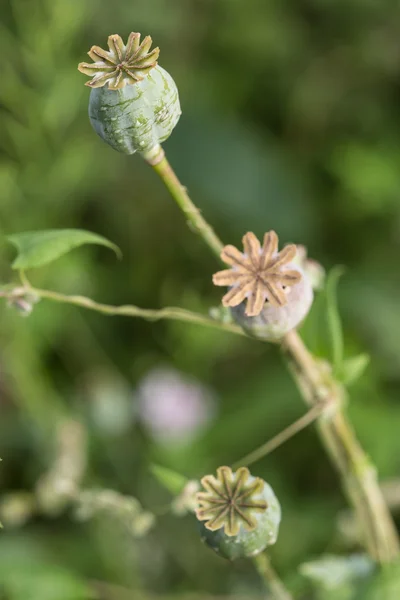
(291, 121)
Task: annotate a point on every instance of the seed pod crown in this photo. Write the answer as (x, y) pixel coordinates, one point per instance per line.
(121, 64)
(238, 514)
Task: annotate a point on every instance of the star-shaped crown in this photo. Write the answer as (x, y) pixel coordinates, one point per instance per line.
(230, 500)
(259, 274)
(121, 64)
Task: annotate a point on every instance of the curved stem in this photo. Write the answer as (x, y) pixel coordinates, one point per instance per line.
(129, 310)
(357, 474)
(281, 437)
(270, 578)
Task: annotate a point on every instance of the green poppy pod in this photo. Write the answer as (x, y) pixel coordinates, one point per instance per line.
(238, 514)
(134, 103)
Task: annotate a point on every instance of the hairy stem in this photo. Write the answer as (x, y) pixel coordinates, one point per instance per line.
(358, 475)
(129, 310)
(270, 578)
(192, 213)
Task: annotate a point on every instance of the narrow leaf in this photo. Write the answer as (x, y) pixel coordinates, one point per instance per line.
(171, 480)
(333, 317)
(353, 368)
(37, 248)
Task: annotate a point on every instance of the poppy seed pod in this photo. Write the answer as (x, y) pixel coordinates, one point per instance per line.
(134, 103)
(269, 293)
(274, 322)
(238, 514)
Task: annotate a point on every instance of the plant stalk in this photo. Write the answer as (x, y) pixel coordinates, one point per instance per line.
(358, 474)
(311, 415)
(192, 213)
(270, 578)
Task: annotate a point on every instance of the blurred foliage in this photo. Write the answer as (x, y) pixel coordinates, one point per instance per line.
(292, 111)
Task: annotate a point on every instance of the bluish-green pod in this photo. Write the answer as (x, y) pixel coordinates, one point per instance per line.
(242, 513)
(134, 103)
(247, 543)
(136, 117)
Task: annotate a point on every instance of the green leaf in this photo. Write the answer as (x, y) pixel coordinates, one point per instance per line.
(37, 248)
(353, 368)
(174, 482)
(335, 328)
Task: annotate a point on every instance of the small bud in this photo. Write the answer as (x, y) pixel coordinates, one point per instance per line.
(22, 301)
(239, 514)
(134, 103)
(186, 502)
(311, 268)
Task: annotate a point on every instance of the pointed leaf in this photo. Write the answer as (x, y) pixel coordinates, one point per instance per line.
(37, 248)
(171, 480)
(353, 368)
(333, 317)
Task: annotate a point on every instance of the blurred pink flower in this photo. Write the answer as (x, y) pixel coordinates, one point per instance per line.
(173, 406)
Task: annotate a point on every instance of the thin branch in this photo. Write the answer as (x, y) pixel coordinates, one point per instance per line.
(269, 576)
(281, 437)
(129, 310)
